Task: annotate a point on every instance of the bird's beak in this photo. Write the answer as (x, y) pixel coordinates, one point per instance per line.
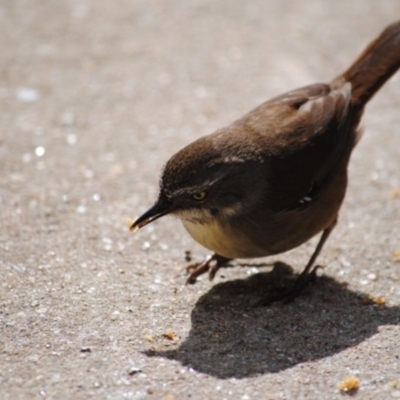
(162, 207)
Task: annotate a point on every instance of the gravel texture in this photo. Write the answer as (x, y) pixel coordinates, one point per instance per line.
(95, 96)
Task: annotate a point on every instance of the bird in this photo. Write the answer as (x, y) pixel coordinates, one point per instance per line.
(275, 178)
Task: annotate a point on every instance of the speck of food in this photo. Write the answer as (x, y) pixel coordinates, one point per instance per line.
(86, 350)
(188, 256)
(149, 338)
(170, 335)
(129, 224)
(350, 385)
(396, 255)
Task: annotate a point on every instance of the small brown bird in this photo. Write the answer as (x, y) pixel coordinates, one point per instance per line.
(273, 179)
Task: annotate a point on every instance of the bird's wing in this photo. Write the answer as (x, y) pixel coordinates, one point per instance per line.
(307, 134)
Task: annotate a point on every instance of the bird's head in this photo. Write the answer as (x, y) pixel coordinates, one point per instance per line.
(210, 178)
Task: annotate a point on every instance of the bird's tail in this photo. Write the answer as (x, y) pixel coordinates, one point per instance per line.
(378, 62)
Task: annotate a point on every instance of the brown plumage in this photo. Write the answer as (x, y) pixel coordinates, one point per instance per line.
(276, 177)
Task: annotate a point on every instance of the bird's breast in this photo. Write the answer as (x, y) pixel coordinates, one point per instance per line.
(223, 240)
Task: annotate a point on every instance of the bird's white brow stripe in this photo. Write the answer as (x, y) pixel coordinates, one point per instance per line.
(192, 189)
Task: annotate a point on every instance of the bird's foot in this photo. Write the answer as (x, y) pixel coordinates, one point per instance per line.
(211, 265)
(288, 295)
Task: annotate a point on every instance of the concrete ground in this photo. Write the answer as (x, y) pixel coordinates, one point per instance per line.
(95, 96)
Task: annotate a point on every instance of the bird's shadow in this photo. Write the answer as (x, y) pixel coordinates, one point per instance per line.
(231, 337)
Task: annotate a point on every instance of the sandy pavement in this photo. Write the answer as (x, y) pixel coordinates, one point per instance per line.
(95, 96)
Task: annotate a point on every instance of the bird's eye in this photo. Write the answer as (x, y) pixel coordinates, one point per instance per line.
(199, 196)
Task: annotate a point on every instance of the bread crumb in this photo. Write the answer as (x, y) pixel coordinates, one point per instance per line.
(393, 384)
(129, 224)
(395, 192)
(396, 255)
(149, 338)
(381, 301)
(349, 385)
(170, 335)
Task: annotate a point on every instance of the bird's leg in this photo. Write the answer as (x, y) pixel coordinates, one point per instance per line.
(211, 264)
(308, 275)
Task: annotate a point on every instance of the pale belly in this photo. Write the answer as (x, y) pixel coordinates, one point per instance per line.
(223, 240)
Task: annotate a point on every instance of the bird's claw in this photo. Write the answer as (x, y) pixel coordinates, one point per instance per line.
(211, 265)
